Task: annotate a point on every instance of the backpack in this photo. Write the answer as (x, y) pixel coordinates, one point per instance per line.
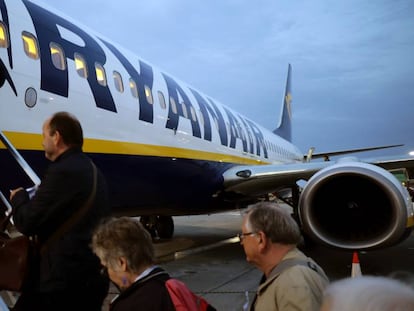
(184, 299)
(181, 296)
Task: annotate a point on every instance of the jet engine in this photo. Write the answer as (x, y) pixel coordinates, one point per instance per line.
(354, 205)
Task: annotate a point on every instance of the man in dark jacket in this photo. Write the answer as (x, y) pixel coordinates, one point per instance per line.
(69, 273)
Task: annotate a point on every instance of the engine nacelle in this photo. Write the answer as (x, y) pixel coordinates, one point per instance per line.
(354, 205)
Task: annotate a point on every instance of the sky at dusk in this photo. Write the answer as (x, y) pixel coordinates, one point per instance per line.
(352, 61)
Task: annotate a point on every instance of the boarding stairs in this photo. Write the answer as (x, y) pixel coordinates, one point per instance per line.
(10, 297)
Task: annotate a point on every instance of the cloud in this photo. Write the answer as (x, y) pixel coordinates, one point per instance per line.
(352, 60)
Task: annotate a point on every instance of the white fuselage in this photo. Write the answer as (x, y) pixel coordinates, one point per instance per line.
(127, 107)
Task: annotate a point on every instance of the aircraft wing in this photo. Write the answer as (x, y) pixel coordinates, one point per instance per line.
(348, 203)
(390, 163)
(254, 180)
(327, 155)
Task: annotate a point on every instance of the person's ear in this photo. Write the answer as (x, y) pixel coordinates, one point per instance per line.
(262, 240)
(123, 263)
(57, 138)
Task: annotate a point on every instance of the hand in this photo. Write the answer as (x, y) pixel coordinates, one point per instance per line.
(13, 192)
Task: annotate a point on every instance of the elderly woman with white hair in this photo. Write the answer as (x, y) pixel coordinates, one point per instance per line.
(368, 293)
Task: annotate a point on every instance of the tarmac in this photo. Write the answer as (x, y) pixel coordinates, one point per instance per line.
(205, 253)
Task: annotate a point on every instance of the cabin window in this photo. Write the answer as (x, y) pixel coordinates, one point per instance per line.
(31, 47)
(118, 82)
(57, 55)
(184, 108)
(80, 66)
(133, 87)
(148, 94)
(100, 74)
(173, 105)
(4, 41)
(200, 114)
(161, 98)
(193, 114)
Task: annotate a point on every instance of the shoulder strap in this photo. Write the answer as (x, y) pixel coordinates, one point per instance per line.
(70, 222)
(287, 263)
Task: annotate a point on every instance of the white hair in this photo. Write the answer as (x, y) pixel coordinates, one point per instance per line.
(368, 293)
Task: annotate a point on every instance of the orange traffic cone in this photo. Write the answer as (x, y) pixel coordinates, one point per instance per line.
(356, 268)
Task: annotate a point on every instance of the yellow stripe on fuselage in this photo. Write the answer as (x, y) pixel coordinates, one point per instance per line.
(27, 141)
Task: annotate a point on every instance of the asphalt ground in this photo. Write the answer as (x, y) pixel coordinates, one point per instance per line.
(206, 255)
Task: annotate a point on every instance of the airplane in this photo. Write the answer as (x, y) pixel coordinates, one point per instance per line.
(168, 149)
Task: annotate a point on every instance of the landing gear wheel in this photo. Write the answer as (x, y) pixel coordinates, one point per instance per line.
(149, 224)
(165, 227)
(158, 226)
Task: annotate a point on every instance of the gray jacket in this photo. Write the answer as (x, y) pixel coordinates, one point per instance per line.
(298, 287)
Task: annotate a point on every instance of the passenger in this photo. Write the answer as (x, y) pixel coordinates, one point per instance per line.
(69, 275)
(291, 281)
(368, 293)
(126, 252)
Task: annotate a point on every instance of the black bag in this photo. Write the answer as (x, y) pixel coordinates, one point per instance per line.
(16, 257)
(19, 256)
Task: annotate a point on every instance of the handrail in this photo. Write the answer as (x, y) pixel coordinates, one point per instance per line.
(20, 160)
(6, 203)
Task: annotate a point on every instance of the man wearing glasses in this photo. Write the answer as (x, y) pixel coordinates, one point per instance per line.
(291, 281)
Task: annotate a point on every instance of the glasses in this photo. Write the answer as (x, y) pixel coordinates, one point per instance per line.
(242, 235)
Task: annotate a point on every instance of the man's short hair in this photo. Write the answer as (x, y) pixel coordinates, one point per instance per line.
(123, 237)
(277, 223)
(68, 127)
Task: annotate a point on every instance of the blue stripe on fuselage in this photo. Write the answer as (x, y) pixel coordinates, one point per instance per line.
(164, 185)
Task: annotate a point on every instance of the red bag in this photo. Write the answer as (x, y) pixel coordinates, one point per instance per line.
(184, 299)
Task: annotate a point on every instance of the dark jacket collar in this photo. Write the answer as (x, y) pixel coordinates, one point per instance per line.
(68, 152)
(157, 272)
